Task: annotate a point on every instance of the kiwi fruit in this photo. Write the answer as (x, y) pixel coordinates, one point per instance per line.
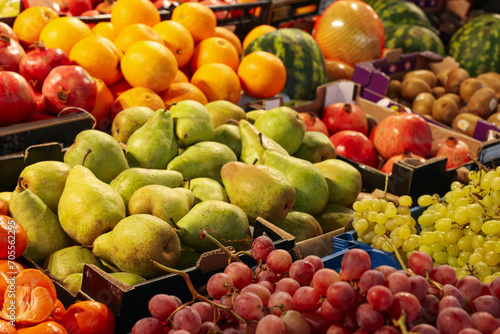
(438, 91)
(490, 79)
(411, 87)
(465, 123)
(394, 90)
(483, 102)
(426, 75)
(455, 98)
(422, 103)
(454, 79)
(444, 109)
(469, 87)
(442, 76)
(495, 119)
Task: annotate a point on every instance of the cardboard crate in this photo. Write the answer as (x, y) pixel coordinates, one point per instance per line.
(130, 303)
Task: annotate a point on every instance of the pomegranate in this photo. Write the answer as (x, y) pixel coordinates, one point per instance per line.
(401, 131)
(17, 99)
(344, 116)
(77, 7)
(456, 152)
(37, 63)
(5, 29)
(11, 53)
(355, 146)
(69, 86)
(387, 167)
(436, 145)
(313, 122)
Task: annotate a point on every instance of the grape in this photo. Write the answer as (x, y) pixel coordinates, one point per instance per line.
(386, 330)
(178, 300)
(302, 271)
(444, 274)
(341, 295)
(287, 284)
(323, 278)
(331, 313)
(452, 320)
(306, 299)
(448, 301)
(368, 318)
(316, 261)
(405, 200)
(207, 327)
(247, 328)
(161, 306)
(424, 329)
(295, 322)
(354, 263)
(407, 303)
(470, 287)
(420, 263)
(226, 300)
(338, 329)
(267, 275)
(495, 287)
(261, 291)
(484, 322)
(316, 322)
(148, 325)
(261, 247)
(279, 261)
(424, 200)
(485, 289)
(280, 302)
(380, 297)
(385, 269)
(451, 290)
(187, 319)
(397, 282)
(268, 285)
(270, 324)
(469, 331)
(241, 274)
(248, 305)
(370, 278)
(205, 310)
(231, 330)
(488, 303)
(179, 331)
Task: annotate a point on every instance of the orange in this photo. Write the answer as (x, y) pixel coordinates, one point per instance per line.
(47, 327)
(119, 87)
(149, 64)
(180, 77)
(218, 82)
(262, 74)
(13, 238)
(30, 22)
(104, 29)
(177, 39)
(102, 109)
(215, 50)
(4, 208)
(64, 32)
(134, 33)
(8, 270)
(230, 36)
(6, 328)
(58, 311)
(180, 91)
(99, 56)
(125, 12)
(138, 96)
(256, 32)
(89, 317)
(199, 19)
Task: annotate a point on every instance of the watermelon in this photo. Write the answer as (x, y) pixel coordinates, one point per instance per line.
(476, 45)
(395, 12)
(413, 38)
(302, 57)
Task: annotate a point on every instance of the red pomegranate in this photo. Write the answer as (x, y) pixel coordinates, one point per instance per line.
(344, 116)
(11, 53)
(387, 167)
(5, 29)
(77, 7)
(355, 146)
(37, 64)
(456, 152)
(313, 122)
(17, 99)
(401, 131)
(69, 86)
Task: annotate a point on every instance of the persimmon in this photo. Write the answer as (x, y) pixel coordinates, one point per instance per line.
(58, 311)
(13, 238)
(89, 317)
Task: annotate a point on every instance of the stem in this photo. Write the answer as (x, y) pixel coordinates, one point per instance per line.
(396, 252)
(480, 165)
(386, 185)
(204, 234)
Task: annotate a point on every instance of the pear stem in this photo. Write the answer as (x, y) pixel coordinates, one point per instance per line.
(86, 155)
(167, 108)
(177, 228)
(232, 121)
(20, 184)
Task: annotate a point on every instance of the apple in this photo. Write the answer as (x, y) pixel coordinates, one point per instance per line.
(344, 116)
(313, 122)
(355, 146)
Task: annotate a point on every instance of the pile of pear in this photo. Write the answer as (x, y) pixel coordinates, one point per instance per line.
(147, 190)
(450, 97)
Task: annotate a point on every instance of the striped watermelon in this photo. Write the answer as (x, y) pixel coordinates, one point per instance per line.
(413, 38)
(304, 62)
(476, 45)
(395, 12)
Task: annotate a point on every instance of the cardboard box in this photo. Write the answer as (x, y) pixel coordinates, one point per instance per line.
(130, 303)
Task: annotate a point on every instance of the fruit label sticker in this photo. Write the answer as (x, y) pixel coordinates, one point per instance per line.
(493, 104)
(463, 124)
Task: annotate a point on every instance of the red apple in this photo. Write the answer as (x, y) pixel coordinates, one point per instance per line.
(387, 167)
(344, 116)
(355, 146)
(313, 122)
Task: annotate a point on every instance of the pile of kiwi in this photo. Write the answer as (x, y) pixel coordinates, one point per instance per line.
(450, 97)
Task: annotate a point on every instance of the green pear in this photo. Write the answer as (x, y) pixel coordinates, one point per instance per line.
(283, 125)
(88, 207)
(253, 115)
(46, 179)
(153, 145)
(135, 241)
(224, 221)
(344, 181)
(45, 234)
(222, 111)
(5, 196)
(204, 188)
(311, 189)
(128, 121)
(161, 201)
(316, 147)
(259, 190)
(128, 278)
(73, 282)
(229, 135)
(188, 259)
(203, 159)
(301, 225)
(131, 179)
(192, 122)
(106, 158)
(254, 143)
(70, 260)
(333, 217)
